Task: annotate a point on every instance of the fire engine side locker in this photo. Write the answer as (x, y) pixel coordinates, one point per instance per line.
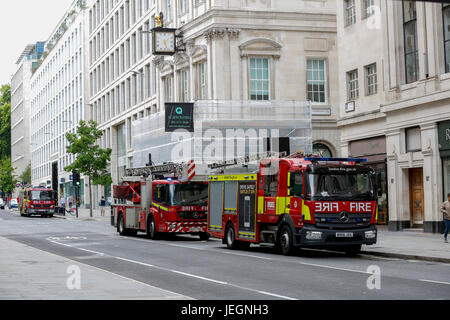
(232, 198)
(246, 210)
(215, 214)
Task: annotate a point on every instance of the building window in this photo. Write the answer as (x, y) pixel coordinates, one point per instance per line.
(323, 150)
(169, 10)
(185, 85)
(410, 38)
(202, 79)
(350, 12)
(316, 81)
(169, 88)
(368, 8)
(183, 5)
(413, 139)
(371, 79)
(352, 85)
(259, 79)
(446, 23)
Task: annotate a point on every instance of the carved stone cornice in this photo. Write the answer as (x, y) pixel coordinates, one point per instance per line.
(158, 61)
(214, 34)
(234, 33)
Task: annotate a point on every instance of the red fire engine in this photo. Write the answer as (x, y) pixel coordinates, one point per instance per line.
(37, 201)
(167, 198)
(296, 202)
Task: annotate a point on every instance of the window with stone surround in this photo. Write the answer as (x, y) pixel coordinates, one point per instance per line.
(259, 79)
(371, 79)
(413, 139)
(349, 12)
(446, 23)
(316, 80)
(352, 85)
(368, 8)
(410, 41)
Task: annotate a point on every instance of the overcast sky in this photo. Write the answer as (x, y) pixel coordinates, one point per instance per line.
(23, 22)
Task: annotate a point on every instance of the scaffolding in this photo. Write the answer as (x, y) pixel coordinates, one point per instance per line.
(224, 130)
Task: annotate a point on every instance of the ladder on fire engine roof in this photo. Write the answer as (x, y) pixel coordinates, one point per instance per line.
(182, 171)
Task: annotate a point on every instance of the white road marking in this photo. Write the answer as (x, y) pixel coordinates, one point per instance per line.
(137, 262)
(197, 277)
(244, 255)
(434, 281)
(330, 267)
(276, 295)
(90, 251)
(182, 273)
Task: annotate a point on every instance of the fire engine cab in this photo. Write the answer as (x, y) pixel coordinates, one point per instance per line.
(169, 198)
(296, 201)
(37, 201)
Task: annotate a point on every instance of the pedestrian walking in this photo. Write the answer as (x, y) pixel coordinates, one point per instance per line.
(102, 205)
(445, 209)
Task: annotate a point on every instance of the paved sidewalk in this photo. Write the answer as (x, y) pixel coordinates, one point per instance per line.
(84, 214)
(411, 245)
(32, 274)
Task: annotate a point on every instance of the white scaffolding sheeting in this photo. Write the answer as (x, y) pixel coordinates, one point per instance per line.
(224, 130)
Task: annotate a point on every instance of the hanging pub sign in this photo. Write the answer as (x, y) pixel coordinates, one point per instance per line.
(179, 116)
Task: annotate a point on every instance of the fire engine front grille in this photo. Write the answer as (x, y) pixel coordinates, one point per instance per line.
(335, 221)
(193, 215)
(42, 206)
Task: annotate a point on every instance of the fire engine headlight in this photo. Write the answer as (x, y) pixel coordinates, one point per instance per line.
(313, 235)
(371, 234)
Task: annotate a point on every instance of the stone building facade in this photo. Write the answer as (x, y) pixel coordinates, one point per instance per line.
(394, 106)
(235, 50)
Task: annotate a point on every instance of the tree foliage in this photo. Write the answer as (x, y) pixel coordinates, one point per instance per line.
(91, 160)
(25, 177)
(5, 121)
(7, 180)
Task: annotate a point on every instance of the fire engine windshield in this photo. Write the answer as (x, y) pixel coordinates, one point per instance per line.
(42, 195)
(348, 186)
(193, 194)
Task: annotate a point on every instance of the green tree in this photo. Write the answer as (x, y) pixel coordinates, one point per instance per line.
(5, 121)
(91, 160)
(7, 180)
(25, 177)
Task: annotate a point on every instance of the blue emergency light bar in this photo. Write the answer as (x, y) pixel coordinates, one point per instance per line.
(337, 160)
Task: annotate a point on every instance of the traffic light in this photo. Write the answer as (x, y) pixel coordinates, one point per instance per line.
(76, 177)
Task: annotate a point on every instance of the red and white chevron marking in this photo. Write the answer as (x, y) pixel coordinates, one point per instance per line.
(186, 227)
(191, 170)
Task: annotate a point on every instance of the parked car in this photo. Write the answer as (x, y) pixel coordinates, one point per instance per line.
(2, 204)
(13, 204)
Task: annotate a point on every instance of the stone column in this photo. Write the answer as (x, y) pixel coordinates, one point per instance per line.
(431, 177)
(218, 66)
(395, 184)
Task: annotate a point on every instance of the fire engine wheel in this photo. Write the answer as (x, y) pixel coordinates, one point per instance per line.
(285, 244)
(151, 228)
(230, 237)
(121, 226)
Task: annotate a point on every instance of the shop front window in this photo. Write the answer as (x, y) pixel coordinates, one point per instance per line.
(446, 175)
(383, 199)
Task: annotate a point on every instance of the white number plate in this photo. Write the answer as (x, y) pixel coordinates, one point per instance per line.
(344, 235)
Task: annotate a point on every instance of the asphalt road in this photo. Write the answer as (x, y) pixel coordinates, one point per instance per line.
(207, 270)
